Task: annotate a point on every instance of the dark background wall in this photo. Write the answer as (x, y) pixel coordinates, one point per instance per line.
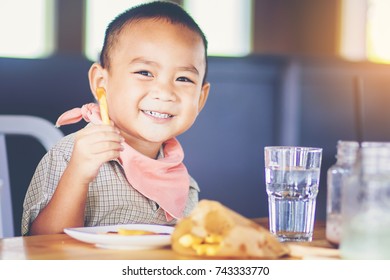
(296, 27)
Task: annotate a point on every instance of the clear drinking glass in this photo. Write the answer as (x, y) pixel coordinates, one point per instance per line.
(292, 178)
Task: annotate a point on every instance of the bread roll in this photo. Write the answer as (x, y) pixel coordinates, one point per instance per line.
(213, 230)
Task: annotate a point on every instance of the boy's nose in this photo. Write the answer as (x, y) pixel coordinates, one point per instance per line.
(164, 92)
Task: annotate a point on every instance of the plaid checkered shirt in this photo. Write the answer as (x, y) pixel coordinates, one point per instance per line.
(111, 199)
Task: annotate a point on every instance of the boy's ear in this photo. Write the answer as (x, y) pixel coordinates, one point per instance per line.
(203, 96)
(97, 76)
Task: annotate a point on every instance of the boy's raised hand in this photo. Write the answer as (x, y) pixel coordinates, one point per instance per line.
(93, 146)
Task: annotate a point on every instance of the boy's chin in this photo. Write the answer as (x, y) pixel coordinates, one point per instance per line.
(157, 138)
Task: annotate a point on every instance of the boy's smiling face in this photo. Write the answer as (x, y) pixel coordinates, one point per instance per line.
(154, 83)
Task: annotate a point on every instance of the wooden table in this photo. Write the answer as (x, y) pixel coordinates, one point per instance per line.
(61, 246)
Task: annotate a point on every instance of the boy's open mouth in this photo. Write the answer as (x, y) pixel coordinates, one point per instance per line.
(157, 114)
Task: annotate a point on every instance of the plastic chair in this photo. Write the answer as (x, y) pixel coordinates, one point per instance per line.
(42, 130)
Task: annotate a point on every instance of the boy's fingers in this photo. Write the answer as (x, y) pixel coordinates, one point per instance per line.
(103, 147)
(91, 129)
(106, 156)
(100, 136)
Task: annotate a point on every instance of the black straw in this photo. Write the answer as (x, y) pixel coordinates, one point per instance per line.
(358, 97)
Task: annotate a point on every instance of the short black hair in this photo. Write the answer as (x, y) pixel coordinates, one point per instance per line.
(153, 10)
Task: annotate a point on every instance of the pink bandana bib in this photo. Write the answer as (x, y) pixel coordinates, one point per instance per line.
(164, 180)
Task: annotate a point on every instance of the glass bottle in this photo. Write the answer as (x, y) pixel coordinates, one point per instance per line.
(366, 205)
(346, 157)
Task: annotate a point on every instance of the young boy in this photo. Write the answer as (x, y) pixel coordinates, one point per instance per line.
(153, 69)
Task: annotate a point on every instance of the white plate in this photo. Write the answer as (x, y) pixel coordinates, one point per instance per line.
(98, 236)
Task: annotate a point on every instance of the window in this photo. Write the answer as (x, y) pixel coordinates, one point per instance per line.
(228, 31)
(378, 35)
(226, 24)
(353, 29)
(99, 13)
(26, 32)
(364, 30)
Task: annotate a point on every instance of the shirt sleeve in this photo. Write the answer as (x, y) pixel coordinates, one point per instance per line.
(42, 186)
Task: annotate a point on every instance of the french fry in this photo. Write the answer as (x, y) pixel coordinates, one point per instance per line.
(101, 95)
(134, 232)
(123, 231)
(207, 246)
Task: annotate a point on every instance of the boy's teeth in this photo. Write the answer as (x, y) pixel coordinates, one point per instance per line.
(158, 115)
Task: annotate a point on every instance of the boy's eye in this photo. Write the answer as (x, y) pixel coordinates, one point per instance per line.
(184, 79)
(144, 73)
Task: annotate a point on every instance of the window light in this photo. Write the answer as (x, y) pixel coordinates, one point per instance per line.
(26, 32)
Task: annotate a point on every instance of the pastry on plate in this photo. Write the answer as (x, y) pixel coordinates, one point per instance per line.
(213, 230)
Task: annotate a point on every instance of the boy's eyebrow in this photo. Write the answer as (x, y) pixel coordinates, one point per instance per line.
(189, 68)
(142, 60)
